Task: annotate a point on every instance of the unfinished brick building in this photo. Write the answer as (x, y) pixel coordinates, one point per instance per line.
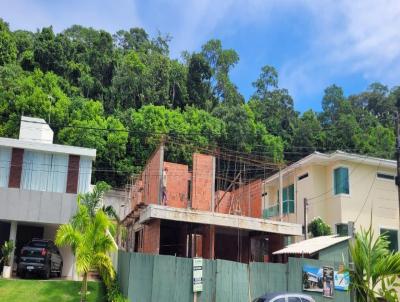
(177, 211)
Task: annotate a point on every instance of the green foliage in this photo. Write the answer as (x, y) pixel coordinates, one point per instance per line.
(120, 93)
(6, 250)
(317, 227)
(8, 48)
(114, 293)
(375, 269)
(91, 243)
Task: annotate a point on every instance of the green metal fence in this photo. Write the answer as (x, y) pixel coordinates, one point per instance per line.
(155, 278)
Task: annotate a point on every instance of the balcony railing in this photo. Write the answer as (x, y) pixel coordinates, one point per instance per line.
(273, 210)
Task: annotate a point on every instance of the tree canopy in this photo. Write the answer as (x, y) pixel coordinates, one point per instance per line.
(121, 93)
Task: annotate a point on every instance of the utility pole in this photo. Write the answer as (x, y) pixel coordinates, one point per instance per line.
(398, 154)
(305, 219)
(280, 194)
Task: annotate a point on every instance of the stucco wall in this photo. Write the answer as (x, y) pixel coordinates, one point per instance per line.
(36, 206)
(368, 194)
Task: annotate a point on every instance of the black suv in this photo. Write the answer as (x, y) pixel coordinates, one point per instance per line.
(40, 256)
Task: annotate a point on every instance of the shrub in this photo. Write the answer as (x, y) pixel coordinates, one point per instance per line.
(317, 227)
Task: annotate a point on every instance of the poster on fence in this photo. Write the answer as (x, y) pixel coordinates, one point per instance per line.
(312, 278)
(327, 281)
(342, 281)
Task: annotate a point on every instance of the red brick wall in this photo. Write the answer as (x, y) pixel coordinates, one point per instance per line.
(250, 198)
(73, 174)
(17, 158)
(146, 188)
(224, 204)
(202, 182)
(177, 176)
(151, 237)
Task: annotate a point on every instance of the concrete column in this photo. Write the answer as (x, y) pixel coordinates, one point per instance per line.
(13, 237)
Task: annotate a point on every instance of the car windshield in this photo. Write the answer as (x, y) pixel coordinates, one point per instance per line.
(40, 244)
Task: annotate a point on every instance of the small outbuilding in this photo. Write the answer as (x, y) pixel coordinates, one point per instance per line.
(333, 248)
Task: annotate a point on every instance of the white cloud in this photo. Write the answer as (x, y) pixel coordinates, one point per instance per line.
(350, 37)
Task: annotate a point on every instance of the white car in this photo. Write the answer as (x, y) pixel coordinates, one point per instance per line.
(284, 297)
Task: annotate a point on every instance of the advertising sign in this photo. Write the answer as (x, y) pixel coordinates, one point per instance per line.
(312, 279)
(327, 281)
(197, 275)
(342, 281)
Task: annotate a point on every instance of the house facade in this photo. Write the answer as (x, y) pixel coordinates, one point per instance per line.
(178, 210)
(39, 183)
(340, 188)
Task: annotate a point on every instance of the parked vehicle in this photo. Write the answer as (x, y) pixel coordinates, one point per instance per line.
(284, 297)
(42, 257)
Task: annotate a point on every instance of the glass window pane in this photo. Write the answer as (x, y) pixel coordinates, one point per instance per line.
(342, 229)
(341, 180)
(291, 192)
(392, 236)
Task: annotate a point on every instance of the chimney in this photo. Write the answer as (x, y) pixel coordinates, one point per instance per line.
(35, 130)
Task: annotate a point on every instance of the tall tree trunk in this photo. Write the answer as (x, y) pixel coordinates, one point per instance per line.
(84, 287)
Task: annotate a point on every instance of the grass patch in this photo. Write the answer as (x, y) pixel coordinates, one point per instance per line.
(46, 291)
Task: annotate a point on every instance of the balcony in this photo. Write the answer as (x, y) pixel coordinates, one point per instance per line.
(36, 206)
(273, 210)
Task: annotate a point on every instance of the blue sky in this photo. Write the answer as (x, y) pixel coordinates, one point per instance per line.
(311, 43)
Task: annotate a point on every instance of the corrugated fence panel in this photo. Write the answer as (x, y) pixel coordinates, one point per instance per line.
(141, 277)
(296, 276)
(123, 271)
(163, 278)
(183, 280)
(154, 278)
(209, 284)
(265, 278)
(232, 282)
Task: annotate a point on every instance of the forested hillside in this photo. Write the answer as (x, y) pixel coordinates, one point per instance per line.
(121, 93)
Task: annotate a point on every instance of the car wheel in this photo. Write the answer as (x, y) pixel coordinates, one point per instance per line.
(21, 274)
(46, 274)
(60, 272)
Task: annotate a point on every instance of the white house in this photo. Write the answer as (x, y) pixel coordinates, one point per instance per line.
(39, 183)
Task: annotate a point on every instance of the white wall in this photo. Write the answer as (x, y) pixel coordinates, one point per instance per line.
(36, 206)
(66, 252)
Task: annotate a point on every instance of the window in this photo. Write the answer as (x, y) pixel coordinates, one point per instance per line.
(287, 240)
(294, 299)
(385, 176)
(280, 300)
(341, 180)
(303, 176)
(288, 199)
(392, 236)
(342, 229)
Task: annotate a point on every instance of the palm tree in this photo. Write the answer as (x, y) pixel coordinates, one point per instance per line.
(376, 269)
(93, 201)
(91, 243)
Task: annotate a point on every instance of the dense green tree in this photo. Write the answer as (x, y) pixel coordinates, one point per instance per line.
(127, 84)
(198, 82)
(245, 134)
(308, 134)
(94, 87)
(273, 106)
(8, 48)
(221, 62)
(89, 127)
(135, 39)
